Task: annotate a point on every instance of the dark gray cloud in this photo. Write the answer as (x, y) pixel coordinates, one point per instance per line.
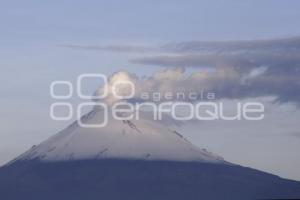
(232, 45)
(280, 59)
(242, 69)
(239, 54)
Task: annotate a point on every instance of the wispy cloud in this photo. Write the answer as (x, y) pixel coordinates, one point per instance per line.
(242, 69)
(113, 48)
(271, 67)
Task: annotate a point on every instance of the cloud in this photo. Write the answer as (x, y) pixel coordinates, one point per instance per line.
(240, 54)
(225, 83)
(250, 68)
(234, 45)
(112, 48)
(240, 69)
(173, 84)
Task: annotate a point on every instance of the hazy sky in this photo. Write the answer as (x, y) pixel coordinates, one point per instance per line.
(33, 52)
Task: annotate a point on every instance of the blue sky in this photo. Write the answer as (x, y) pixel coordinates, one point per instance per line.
(35, 22)
(31, 56)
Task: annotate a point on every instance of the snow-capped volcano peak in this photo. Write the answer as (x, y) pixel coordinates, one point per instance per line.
(120, 139)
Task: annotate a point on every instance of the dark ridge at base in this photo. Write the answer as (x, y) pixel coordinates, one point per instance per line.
(139, 180)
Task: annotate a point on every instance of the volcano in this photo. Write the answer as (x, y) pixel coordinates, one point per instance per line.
(131, 160)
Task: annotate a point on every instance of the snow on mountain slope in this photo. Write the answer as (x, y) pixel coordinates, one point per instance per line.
(121, 139)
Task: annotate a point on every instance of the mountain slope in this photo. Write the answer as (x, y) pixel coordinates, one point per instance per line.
(139, 179)
(131, 160)
(125, 139)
